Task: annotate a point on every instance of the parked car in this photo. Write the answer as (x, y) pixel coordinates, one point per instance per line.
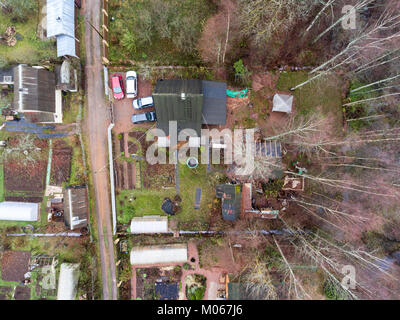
(144, 117)
(131, 84)
(142, 103)
(117, 86)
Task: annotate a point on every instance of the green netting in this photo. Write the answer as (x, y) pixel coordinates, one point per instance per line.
(237, 94)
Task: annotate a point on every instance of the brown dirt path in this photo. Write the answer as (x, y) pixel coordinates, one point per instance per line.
(96, 129)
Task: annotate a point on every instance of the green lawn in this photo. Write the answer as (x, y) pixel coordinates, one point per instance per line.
(1, 183)
(148, 202)
(324, 93)
(29, 50)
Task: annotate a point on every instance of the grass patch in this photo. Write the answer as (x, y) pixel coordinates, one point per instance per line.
(324, 93)
(77, 176)
(30, 49)
(1, 183)
(148, 201)
(71, 107)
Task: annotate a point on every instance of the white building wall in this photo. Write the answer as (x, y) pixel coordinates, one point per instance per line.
(162, 254)
(19, 211)
(149, 224)
(67, 281)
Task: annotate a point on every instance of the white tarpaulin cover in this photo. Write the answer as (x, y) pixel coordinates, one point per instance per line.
(282, 103)
(149, 224)
(160, 254)
(68, 280)
(19, 211)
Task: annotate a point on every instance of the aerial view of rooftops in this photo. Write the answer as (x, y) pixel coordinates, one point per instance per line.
(214, 150)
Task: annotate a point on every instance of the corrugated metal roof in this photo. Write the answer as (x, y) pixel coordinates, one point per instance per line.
(75, 207)
(34, 89)
(19, 211)
(149, 224)
(68, 280)
(66, 46)
(60, 18)
(214, 102)
(160, 254)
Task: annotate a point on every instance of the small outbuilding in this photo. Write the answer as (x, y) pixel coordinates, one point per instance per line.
(149, 224)
(66, 77)
(231, 196)
(68, 281)
(282, 103)
(159, 254)
(6, 76)
(167, 291)
(76, 207)
(19, 211)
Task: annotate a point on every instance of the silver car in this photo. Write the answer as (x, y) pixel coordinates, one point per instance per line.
(142, 103)
(144, 117)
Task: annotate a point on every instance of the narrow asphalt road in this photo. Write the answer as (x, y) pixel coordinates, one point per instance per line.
(96, 123)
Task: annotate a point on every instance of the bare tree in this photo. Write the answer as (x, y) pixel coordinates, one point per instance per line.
(258, 281)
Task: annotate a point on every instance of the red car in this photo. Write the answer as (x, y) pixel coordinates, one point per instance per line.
(117, 86)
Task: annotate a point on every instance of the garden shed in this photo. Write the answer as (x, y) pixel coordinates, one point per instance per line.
(282, 103)
(6, 76)
(68, 281)
(149, 224)
(231, 196)
(19, 211)
(76, 207)
(159, 254)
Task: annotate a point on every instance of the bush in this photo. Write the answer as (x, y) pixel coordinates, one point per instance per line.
(186, 266)
(196, 293)
(332, 292)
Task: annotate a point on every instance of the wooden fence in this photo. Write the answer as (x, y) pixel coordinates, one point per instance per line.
(105, 33)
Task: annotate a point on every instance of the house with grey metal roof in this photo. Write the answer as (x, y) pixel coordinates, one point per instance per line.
(36, 96)
(61, 17)
(76, 207)
(191, 103)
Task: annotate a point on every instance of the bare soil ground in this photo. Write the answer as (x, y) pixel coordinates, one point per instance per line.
(61, 162)
(25, 177)
(14, 264)
(255, 110)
